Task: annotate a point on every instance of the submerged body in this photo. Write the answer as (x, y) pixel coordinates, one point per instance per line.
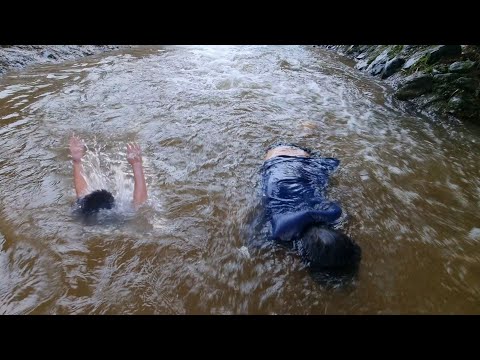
(294, 192)
(297, 211)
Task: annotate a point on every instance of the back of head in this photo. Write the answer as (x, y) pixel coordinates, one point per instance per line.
(325, 248)
(93, 202)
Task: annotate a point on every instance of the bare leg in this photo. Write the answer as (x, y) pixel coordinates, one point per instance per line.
(134, 157)
(286, 150)
(77, 150)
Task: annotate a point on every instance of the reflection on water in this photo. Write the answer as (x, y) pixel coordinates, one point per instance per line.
(204, 115)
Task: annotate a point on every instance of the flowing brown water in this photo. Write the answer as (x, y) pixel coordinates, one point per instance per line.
(204, 115)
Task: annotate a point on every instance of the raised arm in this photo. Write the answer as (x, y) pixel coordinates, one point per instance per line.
(77, 150)
(134, 157)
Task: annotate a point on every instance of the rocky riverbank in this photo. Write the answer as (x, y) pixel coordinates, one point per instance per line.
(14, 57)
(439, 80)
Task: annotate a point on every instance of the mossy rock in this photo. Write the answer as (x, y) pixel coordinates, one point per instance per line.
(414, 86)
(443, 51)
(464, 105)
(466, 83)
(445, 78)
(375, 52)
(462, 66)
(395, 50)
(392, 66)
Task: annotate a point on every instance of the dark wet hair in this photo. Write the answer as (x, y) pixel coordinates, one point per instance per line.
(325, 248)
(93, 202)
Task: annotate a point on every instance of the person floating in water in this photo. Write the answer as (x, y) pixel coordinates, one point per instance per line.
(296, 210)
(89, 203)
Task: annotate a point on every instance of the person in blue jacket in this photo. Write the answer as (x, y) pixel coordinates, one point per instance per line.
(297, 211)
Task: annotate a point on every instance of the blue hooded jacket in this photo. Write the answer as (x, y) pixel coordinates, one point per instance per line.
(294, 194)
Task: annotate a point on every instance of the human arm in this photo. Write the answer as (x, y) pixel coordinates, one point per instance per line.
(77, 150)
(134, 157)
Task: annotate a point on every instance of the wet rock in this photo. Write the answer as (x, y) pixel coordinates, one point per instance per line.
(352, 49)
(445, 91)
(19, 56)
(463, 104)
(431, 101)
(410, 62)
(444, 85)
(49, 55)
(455, 103)
(414, 86)
(445, 78)
(462, 66)
(378, 64)
(392, 67)
(443, 51)
(414, 59)
(440, 69)
(362, 65)
(359, 50)
(465, 83)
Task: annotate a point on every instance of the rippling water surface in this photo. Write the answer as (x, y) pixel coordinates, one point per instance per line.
(204, 114)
